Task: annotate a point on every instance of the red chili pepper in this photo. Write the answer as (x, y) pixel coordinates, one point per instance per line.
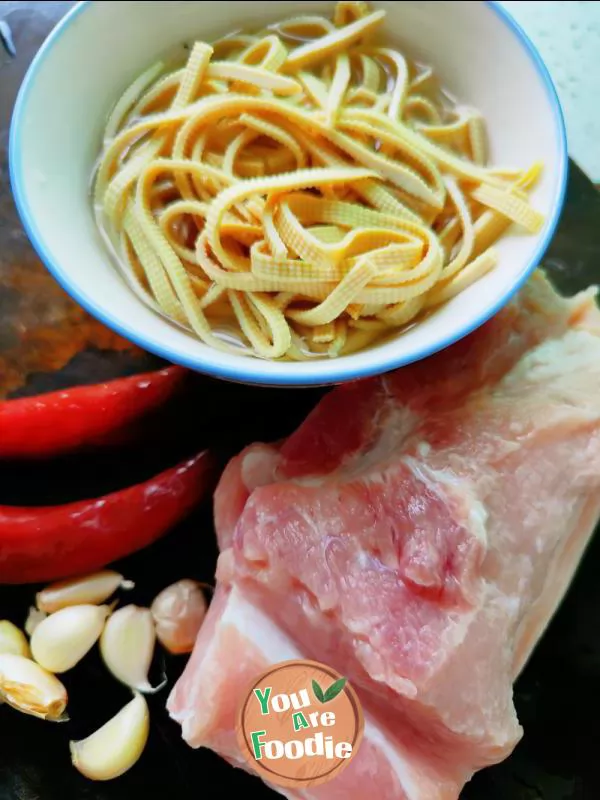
(58, 422)
(42, 544)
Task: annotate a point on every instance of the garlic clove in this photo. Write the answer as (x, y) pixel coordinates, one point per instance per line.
(34, 617)
(127, 646)
(116, 746)
(30, 688)
(63, 638)
(179, 612)
(89, 589)
(13, 640)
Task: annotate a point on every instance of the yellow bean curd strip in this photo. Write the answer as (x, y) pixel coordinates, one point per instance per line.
(314, 251)
(400, 174)
(328, 233)
(177, 276)
(419, 106)
(289, 271)
(242, 231)
(269, 53)
(340, 338)
(365, 98)
(212, 296)
(298, 190)
(371, 74)
(490, 226)
(370, 324)
(465, 278)
(339, 86)
(427, 184)
(347, 12)
(395, 285)
(478, 139)
(250, 309)
(273, 238)
(232, 45)
(157, 278)
(348, 215)
(304, 179)
(158, 97)
(278, 134)
(309, 286)
(196, 70)
(397, 173)
(343, 294)
(358, 340)
(170, 119)
(448, 233)
(254, 76)
(423, 82)
(129, 99)
(299, 273)
(234, 150)
(511, 206)
(456, 134)
(115, 193)
(401, 82)
(465, 250)
(304, 27)
(457, 166)
(402, 313)
(315, 88)
(333, 42)
(324, 334)
(371, 191)
(298, 210)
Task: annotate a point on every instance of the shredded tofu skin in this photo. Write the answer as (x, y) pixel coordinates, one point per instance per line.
(301, 192)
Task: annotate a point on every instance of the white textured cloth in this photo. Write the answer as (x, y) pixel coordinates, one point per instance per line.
(567, 35)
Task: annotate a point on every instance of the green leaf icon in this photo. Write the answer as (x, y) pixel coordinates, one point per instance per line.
(334, 690)
(318, 692)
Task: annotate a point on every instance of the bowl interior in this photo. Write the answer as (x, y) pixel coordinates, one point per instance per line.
(101, 47)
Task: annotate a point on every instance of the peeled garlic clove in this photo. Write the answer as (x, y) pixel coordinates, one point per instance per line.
(13, 640)
(28, 687)
(116, 746)
(179, 612)
(63, 638)
(34, 617)
(127, 646)
(89, 589)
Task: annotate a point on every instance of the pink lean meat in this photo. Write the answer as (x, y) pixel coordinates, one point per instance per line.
(417, 533)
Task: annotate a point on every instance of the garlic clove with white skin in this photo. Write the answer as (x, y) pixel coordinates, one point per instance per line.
(116, 746)
(127, 646)
(179, 612)
(34, 617)
(13, 640)
(63, 638)
(89, 589)
(29, 688)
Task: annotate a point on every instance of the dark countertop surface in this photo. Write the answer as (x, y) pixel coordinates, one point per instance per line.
(47, 342)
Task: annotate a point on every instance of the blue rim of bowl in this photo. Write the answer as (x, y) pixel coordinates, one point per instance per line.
(299, 377)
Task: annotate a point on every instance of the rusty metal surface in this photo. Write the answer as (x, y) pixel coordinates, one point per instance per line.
(41, 329)
(47, 342)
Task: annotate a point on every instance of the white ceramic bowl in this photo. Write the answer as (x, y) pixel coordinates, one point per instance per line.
(481, 54)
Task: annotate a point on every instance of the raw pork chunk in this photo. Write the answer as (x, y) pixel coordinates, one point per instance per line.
(416, 533)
